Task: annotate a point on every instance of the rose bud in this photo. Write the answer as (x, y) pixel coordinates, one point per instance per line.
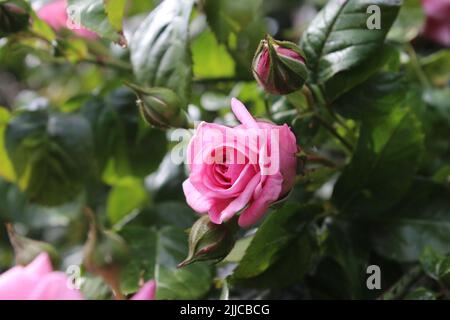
(26, 250)
(14, 17)
(241, 170)
(104, 253)
(209, 241)
(160, 107)
(279, 66)
(437, 26)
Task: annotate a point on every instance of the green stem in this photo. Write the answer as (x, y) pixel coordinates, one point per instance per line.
(314, 158)
(334, 133)
(110, 63)
(113, 64)
(267, 107)
(309, 98)
(415, 64)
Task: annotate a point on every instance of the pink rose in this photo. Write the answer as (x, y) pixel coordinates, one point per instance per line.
(245, 168)
(437, 27)
(55, 14)
(38, 281)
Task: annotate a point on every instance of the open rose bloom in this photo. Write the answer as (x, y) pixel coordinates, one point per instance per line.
(38, 281)
(239, 170)
(437, 27)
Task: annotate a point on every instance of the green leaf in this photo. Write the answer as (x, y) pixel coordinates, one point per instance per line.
(122, 140)
(6, 168)
(420, 294)
(211, 59)
(155, 255)
(105, 124)
(160, 48)
(338, 39)
(227, 17)
(436, 265)
(14, 202)
(421, 219)
(409, 23)
(41, 28)
(165, 183)
(129, 195)
(181, 215)
(341, 273)
(115, 10)
(240, 26)
(282, 250)
(439, 99)
(94, 288)
(389, 150)
(376, 97)
(52, 154)
(92, 15)
(346, 80)
(437, 67)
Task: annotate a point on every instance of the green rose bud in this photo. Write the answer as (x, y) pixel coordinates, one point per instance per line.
(25, 249)
(279, 66)
(160, 107)
(209, 241)
(14, 17)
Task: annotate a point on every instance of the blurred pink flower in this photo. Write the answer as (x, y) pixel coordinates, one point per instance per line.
(147, 292)
(55, 14)
(437, 27)
(38, 281)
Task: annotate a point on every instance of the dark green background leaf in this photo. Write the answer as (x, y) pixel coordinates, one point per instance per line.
(52, 154)
(421, 219)
(155, 255)
(389, 150)
(281, 251)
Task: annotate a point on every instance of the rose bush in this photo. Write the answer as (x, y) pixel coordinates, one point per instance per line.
(333, 156)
